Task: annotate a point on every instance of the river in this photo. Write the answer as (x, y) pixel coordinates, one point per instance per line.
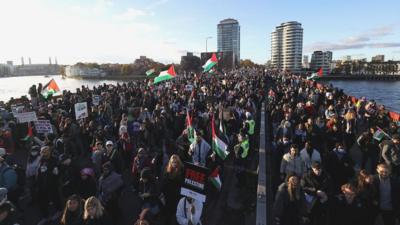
(383, 92)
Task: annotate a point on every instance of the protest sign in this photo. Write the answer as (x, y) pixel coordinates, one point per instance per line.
(25, 117)
(81, 110)
(43, 127)
(96, 99)
(194, 184)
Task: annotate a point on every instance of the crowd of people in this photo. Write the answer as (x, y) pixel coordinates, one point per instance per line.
(135, 139)
(335, 158)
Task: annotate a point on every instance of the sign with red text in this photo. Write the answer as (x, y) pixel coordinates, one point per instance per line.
(194, 184)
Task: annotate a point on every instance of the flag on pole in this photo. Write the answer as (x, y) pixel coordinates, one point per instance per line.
(215, 179)
(50, 88)
(210, 63)
(29, 135)
(379, 134)
(218, 145)
(316, 75)
(165, 75)
(150, 72)
(189, 127)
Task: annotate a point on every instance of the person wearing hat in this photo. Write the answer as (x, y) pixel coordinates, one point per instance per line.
(318, 187)
(8, 176)
(391, 154)
(86, 186)
(112, 155)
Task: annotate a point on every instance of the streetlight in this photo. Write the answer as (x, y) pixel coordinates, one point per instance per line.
(206, 41)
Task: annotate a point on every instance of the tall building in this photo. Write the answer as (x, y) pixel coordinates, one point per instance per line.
(321, 59)
(287, 46)
(229, 38)
(306, 62)
(378, 58)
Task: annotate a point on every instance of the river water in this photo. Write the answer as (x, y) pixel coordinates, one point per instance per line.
(383, 92)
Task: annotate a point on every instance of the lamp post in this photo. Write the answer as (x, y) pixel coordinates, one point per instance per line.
(206, 41)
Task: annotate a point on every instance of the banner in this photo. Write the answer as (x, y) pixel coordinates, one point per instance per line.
(194, 184)
(96, 99)
(81, 110)
(25, 117)
(43, 127)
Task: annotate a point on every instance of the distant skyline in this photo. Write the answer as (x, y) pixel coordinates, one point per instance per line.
(119, 31)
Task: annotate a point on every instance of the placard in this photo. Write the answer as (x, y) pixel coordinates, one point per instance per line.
(96, 99)
(194, 184)
(25, 117)
(81, 110)
(43, 127)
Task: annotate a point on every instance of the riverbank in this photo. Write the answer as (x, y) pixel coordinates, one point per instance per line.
(361, 77)
(125, 77)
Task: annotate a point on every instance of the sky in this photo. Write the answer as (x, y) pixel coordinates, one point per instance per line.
(119, 31)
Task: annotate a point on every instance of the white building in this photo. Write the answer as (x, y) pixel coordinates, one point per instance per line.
(320, 59)
(306, 62)
(78, 71)
(287, 46)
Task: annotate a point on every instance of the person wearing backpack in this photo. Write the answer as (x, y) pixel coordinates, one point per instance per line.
(8, 176)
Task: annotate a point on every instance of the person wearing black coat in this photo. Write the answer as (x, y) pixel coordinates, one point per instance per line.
(387, 195)
(347, 208)
(171, 186)
(340, 166)
(318, 186)
(290, 205)
(367, 194)
(86, 183)
(47, 181)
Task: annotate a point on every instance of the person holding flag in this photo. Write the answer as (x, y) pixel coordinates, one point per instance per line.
(50, 89)
(210, 63)
(391, 154)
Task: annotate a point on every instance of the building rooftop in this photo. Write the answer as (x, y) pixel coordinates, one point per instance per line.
(228, 21)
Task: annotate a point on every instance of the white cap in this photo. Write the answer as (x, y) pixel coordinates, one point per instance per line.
(248, 114)
(2, 152)
(109, 143)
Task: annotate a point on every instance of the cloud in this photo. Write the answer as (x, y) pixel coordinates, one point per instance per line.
(85, 37)
(130, 14)
(156, 3)
(362, 40)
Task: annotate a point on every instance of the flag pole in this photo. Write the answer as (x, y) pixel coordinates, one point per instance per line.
(387, 135)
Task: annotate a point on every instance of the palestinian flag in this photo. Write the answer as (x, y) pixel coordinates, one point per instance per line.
(50, 88)
(150, 72)
(218, 145)
(165, 75)
(189, 127)
(215, 180)
(379, 135)
(317, 75)
(210, 63)
(29, 135)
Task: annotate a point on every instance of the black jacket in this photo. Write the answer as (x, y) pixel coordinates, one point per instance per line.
(287, 212)
(395, 187)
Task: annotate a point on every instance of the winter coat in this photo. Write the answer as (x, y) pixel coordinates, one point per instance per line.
(292, 165)
(288, 212)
